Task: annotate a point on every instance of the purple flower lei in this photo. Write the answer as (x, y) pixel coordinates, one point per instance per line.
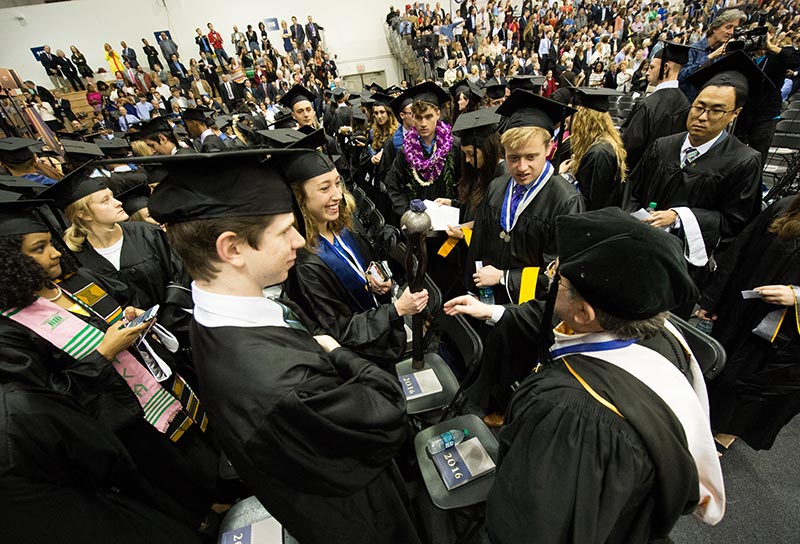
(426, 171)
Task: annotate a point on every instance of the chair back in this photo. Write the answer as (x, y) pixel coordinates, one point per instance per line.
(708, 351)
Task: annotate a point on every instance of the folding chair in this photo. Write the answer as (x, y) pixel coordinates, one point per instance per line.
(707, 350)
(470, 497)
(790, 115)
(783, 153)
(790, 127)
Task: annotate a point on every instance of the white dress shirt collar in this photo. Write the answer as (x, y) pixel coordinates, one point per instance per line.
(215, 310)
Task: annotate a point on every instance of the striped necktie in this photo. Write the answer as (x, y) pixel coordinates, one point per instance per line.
(690, 154)
(290, 318)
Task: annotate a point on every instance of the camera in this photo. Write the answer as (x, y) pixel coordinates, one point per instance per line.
(748, 40)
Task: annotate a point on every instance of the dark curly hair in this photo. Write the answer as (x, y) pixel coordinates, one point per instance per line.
(20, 275)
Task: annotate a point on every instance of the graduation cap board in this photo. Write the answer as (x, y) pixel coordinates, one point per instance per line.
(733, 70)
(134, 199)
(400, 103)
(527, 83)
(381, 99)
(494, 89)
(81, 182)
(469, 89)
(673, 52)
(296, 94)
(8, 196)
(290, 138)
(223, 184)
(19, 217)
(83, 151)
(526, 109)
(427, 92)
(594, 98)
(20, 185)
(156, 125)
(198, 114)
(16, 150)
(116, 147)
(474, 126)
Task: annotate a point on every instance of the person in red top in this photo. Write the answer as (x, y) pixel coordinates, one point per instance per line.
(550, 85)
(216, 44)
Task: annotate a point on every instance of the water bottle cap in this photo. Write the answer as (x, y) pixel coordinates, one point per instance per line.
(466, 432)
(653, 205)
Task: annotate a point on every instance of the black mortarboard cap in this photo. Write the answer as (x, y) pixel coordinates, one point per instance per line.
(399, 103)
(115, 148)
(527, 83)
(495, 89)
(382, 99)
(474, 126)
(470, 89)
(21, 185)
(594, 98)
(374, 87)
(733, 70)
(215, 185)
(305, 165)
(134, 199)
(393, 89)
(197, 114)
(9, 196)
(526, 109)
(622, 266)
(223, 121)
(19, 217)
(16, 150)
(339, 92)
(428, 92)
(81, 182)
(296, 94)
(673, 52)
(83, 151)
(289, 137)
(156, 125)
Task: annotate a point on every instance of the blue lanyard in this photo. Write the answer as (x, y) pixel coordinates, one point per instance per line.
(506, 221)
(591, 346)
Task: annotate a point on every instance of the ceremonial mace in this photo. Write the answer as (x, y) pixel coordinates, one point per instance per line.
(416, 224)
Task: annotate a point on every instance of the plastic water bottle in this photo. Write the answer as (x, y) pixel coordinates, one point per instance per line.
(446, 440)
(704, 325)
(652, 207)
(485, 294)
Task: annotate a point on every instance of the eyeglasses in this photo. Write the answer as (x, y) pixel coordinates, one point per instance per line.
(713, 114)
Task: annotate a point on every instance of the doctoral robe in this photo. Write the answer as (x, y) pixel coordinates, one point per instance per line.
(657, 115)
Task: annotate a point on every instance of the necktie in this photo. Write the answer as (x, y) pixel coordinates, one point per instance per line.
(230, 94)
(312, 30)
(123, 124)
(291, 318)
(689, 156)
(516, 197)
(180, 69)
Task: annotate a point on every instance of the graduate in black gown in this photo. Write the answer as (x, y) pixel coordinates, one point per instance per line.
(597, 163)
(310, 426)
(331, 278)
(704, 184)
(607, 440)
(662, 112)
(198, 123)
(756, 394)
(136, 253)
(427, 167)
(515, 246)
(60, 331)
(160, 137)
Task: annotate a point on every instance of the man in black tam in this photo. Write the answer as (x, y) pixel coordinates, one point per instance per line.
(311, 427)
(607, 440)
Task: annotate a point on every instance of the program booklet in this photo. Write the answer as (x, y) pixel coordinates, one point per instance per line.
(420, 384)
(265, 531)
(463, 463)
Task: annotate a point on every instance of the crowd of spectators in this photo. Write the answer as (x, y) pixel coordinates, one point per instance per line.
(241, 73)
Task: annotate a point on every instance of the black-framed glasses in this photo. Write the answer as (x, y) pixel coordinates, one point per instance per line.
(713, 114)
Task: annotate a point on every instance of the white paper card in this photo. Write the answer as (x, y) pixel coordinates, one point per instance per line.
(641, 214)
(750, 293)
(441, 216)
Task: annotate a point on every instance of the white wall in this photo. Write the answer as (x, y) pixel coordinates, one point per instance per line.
(353, 29)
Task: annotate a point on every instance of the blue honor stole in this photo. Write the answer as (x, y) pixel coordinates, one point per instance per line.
(343, 258)
(509, 216)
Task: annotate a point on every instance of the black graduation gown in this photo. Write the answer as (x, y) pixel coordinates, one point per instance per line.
(312, 434)
(721, 187)
(571, 470)
(660, 114)
(403, 188)
(532, 239)
(149, 267)
(212, 144)
(758, 391)
(182, 475)
(69, 479)
(377, 334)
(599, 179)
